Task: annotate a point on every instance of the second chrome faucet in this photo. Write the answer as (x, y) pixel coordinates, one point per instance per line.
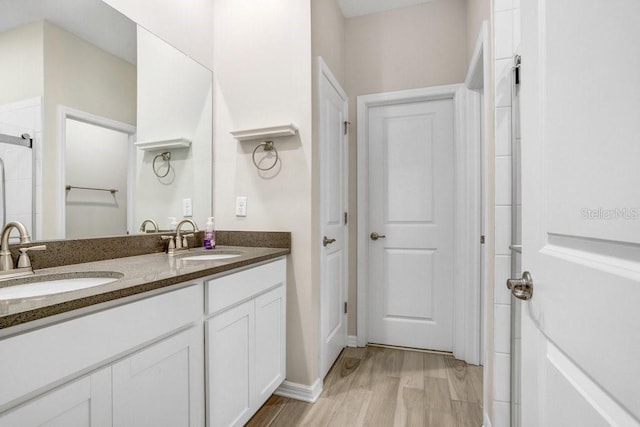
(180, 243)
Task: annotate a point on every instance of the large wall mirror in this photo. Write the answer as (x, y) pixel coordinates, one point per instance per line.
(121, 123)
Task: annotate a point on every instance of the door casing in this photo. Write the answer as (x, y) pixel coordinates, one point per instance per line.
(65, 113)
(466, 292)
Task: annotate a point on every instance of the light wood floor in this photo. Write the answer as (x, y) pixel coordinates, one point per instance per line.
(375, 386)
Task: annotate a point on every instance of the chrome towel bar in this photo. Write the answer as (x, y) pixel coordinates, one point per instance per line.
(110, 190)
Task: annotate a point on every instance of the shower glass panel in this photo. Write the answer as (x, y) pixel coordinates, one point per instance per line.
(20, 133)
(516, 241)
(16, 185)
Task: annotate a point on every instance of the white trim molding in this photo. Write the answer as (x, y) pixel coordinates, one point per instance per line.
(475, 74)
(300, 391)
(352, 341)
(466, 331)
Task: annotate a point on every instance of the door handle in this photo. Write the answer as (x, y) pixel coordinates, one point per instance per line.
(376, 236)
(521, 288)
(326, 241)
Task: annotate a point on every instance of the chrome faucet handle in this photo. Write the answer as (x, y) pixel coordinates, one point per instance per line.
(185, 243)
(172, 243)
(23, 260)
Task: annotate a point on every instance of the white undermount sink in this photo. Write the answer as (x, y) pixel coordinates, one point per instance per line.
(34, 286)
(212, 257)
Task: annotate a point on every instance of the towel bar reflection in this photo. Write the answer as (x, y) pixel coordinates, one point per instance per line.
(110, 190)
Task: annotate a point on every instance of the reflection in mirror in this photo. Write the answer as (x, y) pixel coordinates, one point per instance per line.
(73, 79)
(174, 107)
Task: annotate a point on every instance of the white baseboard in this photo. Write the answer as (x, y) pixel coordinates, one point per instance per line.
(486, 422)
(300, 391)
(352, 341)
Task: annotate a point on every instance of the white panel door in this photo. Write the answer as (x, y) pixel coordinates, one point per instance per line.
(333, 227)
(82, 403)
(581, 212)
(162, 385)
(411, 205)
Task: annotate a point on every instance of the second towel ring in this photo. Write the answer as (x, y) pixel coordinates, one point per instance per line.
(268, 146)
(166, 156)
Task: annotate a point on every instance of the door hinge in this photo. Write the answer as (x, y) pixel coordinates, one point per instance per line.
(346, 127)
(517, 65)
(345, 307)
(482, 240)
(346, 218)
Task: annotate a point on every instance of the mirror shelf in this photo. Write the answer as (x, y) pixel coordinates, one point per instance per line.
(166, 144)
(265, 133)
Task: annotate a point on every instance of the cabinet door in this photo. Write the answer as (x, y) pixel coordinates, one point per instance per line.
(162, 385)
(84, 402)
(271, 331)
(231, 346)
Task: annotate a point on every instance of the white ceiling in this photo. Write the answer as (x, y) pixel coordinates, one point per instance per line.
(351, 8)
(91, 20)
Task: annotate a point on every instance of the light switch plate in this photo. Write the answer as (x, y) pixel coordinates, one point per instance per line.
(187, 207)
(241, 206)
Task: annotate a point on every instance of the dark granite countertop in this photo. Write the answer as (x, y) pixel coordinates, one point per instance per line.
(140, 274)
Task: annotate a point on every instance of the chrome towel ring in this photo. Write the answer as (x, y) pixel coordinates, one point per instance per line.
(166, 157)
(267, 146)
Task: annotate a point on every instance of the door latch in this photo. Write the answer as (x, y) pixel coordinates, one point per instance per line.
(521, 288)
(326, 241)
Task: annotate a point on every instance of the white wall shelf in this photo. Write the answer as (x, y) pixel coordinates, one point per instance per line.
(166, 144)
(265, 133)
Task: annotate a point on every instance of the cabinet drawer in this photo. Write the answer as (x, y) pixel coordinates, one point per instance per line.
(223, 292)
(56, 353)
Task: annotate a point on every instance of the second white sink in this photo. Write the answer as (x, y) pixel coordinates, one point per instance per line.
(210, 257)
(214, 255)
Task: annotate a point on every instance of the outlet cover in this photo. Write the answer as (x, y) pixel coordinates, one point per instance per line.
(241, 206)
(187, 207)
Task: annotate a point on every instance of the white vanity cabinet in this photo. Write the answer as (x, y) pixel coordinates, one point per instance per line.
(157, 361)
(137, 364)
(83, 402)
(162, 384)
(245, 341)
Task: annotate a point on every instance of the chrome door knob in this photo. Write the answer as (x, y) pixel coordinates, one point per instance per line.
(521, 288)
(326, 241)
(376, 236)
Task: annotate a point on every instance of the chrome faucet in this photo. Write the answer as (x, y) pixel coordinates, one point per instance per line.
(6, 260)
(148, 221)
(180, 243)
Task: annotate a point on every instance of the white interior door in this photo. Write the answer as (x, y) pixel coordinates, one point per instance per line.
(333, 223)
(411, 207)
(581, 212)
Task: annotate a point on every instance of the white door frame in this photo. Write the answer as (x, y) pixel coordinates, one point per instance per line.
(65, 113)
(324, 72)
(466, 292)
(477, 81)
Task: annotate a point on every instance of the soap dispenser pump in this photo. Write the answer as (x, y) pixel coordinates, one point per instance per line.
(209, 234)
